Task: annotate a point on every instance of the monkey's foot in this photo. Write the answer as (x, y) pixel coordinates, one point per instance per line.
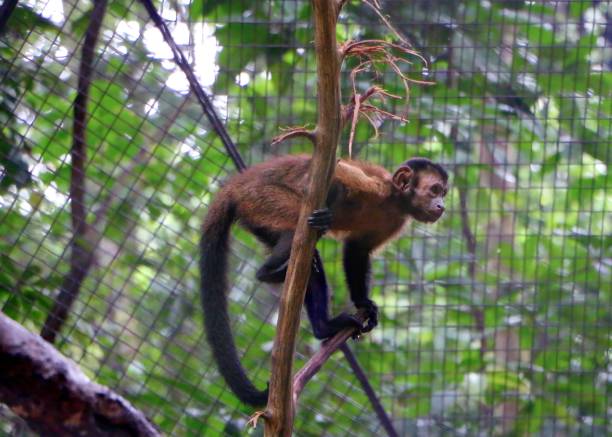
(371, 312)
(321, 219)
(272, 274)
(337, 324)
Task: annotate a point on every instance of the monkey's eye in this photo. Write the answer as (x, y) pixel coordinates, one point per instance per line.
(436, 189)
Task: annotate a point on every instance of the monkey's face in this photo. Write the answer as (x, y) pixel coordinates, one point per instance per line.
(423, 193)
(428, 197)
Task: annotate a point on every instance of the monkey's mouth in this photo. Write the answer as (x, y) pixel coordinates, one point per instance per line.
(429, 216)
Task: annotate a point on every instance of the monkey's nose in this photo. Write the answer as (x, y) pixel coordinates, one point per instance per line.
(441, 208)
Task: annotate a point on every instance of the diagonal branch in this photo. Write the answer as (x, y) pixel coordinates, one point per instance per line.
(383, 417)
(195, 86)
(315, 362)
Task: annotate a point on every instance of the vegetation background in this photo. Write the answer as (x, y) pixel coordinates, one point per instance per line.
(494, 321)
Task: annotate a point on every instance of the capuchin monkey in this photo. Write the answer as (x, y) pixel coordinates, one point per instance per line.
(366, 207)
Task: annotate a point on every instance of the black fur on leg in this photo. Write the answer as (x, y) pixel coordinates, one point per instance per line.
(274, 268)
(317, 303)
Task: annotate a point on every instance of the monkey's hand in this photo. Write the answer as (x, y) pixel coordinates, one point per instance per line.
(321, 219)
(371, 311)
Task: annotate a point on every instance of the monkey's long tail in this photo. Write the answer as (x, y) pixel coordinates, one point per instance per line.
(213, 276)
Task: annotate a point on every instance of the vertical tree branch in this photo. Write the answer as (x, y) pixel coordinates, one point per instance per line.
(280, 412)
(81, 255)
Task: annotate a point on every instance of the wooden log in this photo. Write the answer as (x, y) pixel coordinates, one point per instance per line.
(52, 394)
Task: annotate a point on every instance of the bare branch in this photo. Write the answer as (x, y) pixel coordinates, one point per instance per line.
(196, 88)
(384, 418)
(280, 410)
(53, 396)
(315, 362)
(294, 132)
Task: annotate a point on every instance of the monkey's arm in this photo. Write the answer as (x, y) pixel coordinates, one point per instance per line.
(357, 269)
(355, 180)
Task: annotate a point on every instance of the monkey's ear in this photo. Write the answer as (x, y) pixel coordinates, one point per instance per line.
(403, 177)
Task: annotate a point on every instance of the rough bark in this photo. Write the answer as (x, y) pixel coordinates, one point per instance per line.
(53, 396)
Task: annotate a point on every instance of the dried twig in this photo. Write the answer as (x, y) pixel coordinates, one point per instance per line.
(372, 54)
(357, 99)
(375, 6)
(357, 107)
(294, 132)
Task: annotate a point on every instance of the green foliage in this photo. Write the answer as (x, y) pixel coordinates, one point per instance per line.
(519, 348)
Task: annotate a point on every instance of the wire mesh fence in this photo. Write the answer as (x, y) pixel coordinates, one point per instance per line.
(494, 321)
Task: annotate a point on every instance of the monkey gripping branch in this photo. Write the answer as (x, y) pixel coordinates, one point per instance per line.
(284, 390)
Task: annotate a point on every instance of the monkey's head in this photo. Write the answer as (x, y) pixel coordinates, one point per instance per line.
(422, 185)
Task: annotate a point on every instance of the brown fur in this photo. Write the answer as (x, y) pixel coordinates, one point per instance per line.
(268, 196)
